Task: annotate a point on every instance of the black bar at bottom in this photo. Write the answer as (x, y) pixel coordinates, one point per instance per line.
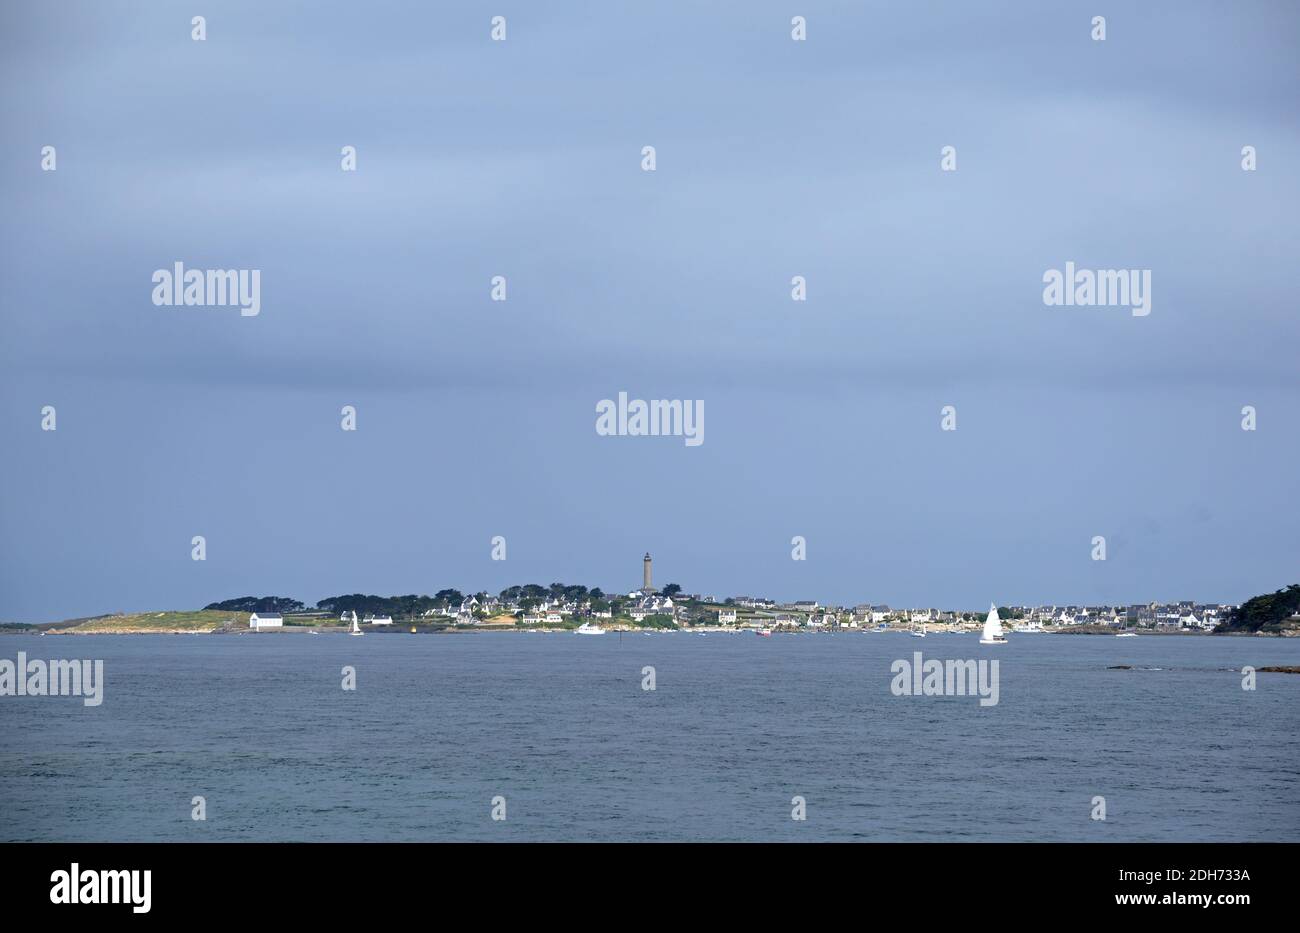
(335, 881)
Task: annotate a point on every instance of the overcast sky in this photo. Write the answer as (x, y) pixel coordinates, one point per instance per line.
(522, 158)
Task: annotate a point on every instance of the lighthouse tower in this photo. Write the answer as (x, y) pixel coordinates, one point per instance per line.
(646, 586)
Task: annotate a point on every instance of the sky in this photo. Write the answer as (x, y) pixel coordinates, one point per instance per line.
(523, 158)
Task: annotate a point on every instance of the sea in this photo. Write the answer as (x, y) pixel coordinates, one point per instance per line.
(555, 737)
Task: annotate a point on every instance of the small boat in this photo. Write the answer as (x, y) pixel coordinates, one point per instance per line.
(992, 628)
(1126, 634)
(764, 633)
(586, 628)
(313, 633)
(356, 629)
(915, 634)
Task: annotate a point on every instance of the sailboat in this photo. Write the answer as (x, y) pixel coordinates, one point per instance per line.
(992, 628)
(586, 628)
(915, 634)
(356, 629)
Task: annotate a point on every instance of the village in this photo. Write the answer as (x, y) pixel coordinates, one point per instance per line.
(562, 607)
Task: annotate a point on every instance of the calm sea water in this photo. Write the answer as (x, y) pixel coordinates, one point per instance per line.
(560, 726)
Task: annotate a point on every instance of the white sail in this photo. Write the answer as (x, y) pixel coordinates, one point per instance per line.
(992, 625)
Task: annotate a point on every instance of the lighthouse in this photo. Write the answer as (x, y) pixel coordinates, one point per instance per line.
(646, 586)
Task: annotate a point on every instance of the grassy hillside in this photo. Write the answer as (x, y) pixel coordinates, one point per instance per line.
(200, 621)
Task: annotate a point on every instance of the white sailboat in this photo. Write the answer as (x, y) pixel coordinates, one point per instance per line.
(356, 629)
(586, 628)
(915, 634)
(992, 628)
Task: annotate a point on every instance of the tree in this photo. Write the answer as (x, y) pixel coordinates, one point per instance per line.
(1265, 612)
(256, 604)
(449, 597)
(672, 589)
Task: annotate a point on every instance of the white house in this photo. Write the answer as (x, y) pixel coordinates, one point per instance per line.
(726, 616)
(261, 620)
(553, 617)
(533, 618)
(379, 620)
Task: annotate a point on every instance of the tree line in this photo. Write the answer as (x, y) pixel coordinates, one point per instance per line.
(528, 595)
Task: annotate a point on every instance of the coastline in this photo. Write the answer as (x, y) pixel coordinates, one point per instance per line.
(57, 628)
(688, 616)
